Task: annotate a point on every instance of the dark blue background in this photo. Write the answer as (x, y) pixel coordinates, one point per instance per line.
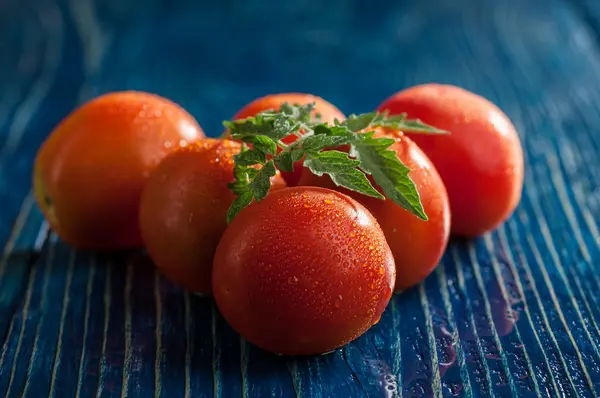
(512, 313)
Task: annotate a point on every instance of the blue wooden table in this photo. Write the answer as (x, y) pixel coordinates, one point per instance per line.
(514, 313)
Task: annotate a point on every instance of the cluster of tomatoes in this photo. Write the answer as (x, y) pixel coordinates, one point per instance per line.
(311, 266)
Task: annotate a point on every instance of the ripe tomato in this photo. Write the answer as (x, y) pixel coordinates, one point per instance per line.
(90, 171)
(481, 161)
(417, 245)
(327, 111)
(304, 271)
(184, 207)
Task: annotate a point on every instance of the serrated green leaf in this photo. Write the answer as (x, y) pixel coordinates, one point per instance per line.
(284, 161)
(260, 185)
(240, 172)
(305, 112)
(252, 172)
(286, 108)
(263, 144)
(297, 154)
(250, 126)
(397, 118)
(238, 187)
(323, 129)
(329, 162)
(342, 171)
(249, 158)
(283, 126)
(315, 143)
(368, 140)
(355, 180)
(400, 122)
(389, 173)
(417, 126)
(238, 205)
(360, 122)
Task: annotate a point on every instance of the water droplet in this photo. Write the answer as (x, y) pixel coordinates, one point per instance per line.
(292, 280)
(307, 205)
(168, 144)
(328, 201)
(352, 234)
(338, 302)
(183, 143)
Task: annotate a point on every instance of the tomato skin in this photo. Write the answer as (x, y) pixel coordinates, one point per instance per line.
(481, 161)
(90, 171)
(310, 294)
(417, 245)
(183, 211)
(327, 110)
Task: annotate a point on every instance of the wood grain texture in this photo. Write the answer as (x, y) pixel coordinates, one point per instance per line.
(514, 313)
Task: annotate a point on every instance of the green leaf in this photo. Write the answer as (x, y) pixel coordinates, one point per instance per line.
(355, 180)
(297, 154)
(384, 117)
(400, 122)
(260, 185)
(238, 187)
(250, 157)
(417, 126)
(240, 172)
(284, 161)
(238, 205)
(361, 122)
(315, 143)
(389, 173)
(305, 112)
(329, 162)
(322, 129)
(249, 126)
(342, 171)
(263, 143)
(252, 172)
(286, 108)
(283, 126)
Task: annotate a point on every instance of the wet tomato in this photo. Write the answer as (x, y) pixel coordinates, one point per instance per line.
(327, 111)
(417, 245)
(184, 207)
(481, 161)
(304, 271)
(90, 171)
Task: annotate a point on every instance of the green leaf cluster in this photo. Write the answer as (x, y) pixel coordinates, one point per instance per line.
(319, 145)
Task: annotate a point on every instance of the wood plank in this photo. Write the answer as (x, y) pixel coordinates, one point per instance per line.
(513, 313)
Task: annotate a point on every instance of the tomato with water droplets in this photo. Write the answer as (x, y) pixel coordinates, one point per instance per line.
(417, 245)
(480, 161)
(90, 171)
(183, 210)
(316, 291)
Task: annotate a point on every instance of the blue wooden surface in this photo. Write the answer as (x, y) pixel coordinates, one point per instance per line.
(512, 313)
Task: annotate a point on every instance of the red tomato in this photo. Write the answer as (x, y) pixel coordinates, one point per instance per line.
(417, 245)
(481, 161)
(326, 110)
(304, 271)
(184, 207)
(90, 171)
